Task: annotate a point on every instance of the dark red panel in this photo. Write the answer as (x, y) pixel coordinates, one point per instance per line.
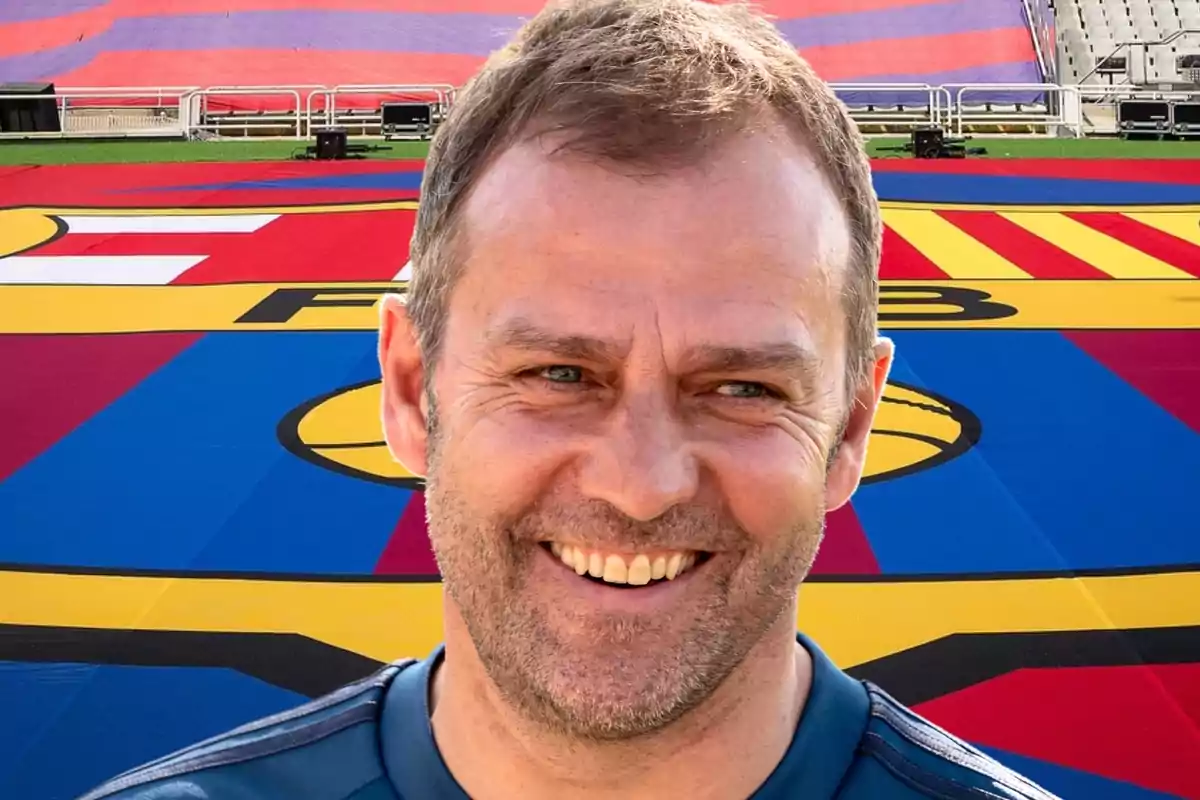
(139, 8)
(1028, 251)
(1182, 683)
(901, 261)
(1151, 241)
(131, 244)
(1139, 170)
(785, 9)
(30, 36)
(51, 384)
(140, 185)
(845, 550)
(920, 54)
(1123, 723)
(344, 246)
(1163, 365)
(408, 552)
(798, 9)
(253, 67)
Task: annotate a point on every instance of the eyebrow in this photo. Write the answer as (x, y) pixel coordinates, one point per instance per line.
(521, 334)
(787, 357)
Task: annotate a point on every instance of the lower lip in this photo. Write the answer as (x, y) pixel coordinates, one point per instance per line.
(650, 598)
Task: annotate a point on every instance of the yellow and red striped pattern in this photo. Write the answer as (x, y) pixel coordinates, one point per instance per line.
(1052, 243)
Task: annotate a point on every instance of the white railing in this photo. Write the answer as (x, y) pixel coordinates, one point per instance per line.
(1137, 69)
(91, 112)
(1059, 109)
(201, 119)
(328, 114)
(1099, 103)
(934, 111)
(1125, 91)
(295, 111)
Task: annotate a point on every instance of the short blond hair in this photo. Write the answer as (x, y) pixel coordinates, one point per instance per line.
(641, 82)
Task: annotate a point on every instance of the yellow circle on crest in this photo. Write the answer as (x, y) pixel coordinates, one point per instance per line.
(914, 430)
(342, 432)
(22, 229)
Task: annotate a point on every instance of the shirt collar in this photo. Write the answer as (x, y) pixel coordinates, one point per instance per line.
(410, 755)
(821, 752)
(831, 726)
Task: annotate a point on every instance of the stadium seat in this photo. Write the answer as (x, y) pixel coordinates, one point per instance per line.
(1089, 30)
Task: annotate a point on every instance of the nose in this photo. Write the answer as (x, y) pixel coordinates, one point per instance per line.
(641, 463)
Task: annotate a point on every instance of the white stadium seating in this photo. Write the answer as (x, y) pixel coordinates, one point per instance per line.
(1091, 30)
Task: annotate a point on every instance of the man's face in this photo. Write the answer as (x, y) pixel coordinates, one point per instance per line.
(639, 388)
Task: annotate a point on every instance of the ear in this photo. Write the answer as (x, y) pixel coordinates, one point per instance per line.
(847, 468)
(404, 408)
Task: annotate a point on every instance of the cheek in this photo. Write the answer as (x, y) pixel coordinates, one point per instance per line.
(772, 486)
(503, 462)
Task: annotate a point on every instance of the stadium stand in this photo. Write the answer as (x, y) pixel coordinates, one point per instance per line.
(200, 68)
(107, 43)
(1096, 36)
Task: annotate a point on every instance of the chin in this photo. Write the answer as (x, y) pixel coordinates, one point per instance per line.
(612, 682)
(613, 710)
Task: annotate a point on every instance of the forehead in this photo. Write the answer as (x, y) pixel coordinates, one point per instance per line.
(751, 238)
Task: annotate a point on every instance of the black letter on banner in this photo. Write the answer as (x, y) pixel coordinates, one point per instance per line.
(966, 304)
(283, 304)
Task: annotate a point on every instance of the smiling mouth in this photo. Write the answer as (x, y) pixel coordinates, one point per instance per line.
(624, 570)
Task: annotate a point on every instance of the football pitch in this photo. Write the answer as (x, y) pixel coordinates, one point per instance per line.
(200, 525)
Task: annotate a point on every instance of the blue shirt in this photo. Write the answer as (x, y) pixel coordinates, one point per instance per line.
(372, 740)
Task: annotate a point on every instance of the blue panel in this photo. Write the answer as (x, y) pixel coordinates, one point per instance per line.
(44, 9)
(304, 518)
(948, 188)
(68, 727)
(1075, 468)
(910, 186)
(937, 18)
(398, 179)
(1071, 783)
(185, 470)
(957, 517)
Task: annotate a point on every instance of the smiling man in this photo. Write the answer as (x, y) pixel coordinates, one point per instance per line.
(638, 365)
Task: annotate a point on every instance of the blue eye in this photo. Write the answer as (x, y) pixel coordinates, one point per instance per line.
(561, 373)
(745, 390)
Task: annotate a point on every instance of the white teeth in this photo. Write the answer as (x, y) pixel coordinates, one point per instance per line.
(639, 571)
(612, 568)
(659, 568)
(615, 570)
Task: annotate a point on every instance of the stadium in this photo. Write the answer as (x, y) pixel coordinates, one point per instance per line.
(202, 201)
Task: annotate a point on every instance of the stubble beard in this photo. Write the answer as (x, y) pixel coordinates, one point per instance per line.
(614, 677)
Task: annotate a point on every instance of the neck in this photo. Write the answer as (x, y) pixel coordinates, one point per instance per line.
(725, 748)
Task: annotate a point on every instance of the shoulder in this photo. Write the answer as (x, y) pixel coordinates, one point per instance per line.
(930, 762)
(285, 755)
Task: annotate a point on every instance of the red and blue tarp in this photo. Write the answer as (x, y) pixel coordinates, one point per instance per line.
(98, 43)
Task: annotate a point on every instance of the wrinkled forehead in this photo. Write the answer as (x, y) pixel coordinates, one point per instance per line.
(751, 239)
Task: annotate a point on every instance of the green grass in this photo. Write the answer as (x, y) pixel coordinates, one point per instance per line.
(158, 152)
(144, 152)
